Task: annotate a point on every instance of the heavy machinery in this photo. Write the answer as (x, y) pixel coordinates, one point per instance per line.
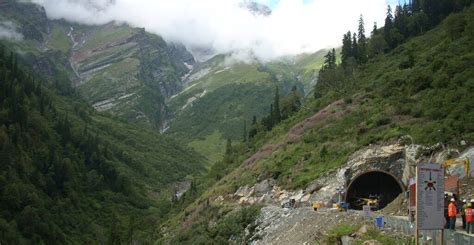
(373, 201)
(317, 204)
(451, 162)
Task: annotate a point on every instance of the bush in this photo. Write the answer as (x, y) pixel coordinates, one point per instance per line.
(455, 25)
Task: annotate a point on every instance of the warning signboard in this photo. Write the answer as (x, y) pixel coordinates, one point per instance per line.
(430, 196)
(367, 211)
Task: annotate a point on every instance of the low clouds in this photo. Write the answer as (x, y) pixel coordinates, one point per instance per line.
(8, 31)
(224, 26)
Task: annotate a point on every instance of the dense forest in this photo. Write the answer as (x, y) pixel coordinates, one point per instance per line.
(68, 174)
(427, 84)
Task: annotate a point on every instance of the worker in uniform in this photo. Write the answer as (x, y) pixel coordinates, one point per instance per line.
(469, 217)
(446, 217)
(452, 212)
(463, 213)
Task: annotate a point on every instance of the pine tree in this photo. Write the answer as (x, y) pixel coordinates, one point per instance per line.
(333, 63)
(228, 151)
(346, 50)
(414, 6)
(374, 29)
(329, 60)
(400, 20)
(253, 129)
(355, 51)
(387, 29)
(361, 42)
(276, 108)
(269, 120)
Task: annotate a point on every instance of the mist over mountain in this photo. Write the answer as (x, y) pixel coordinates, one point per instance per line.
(293, 27)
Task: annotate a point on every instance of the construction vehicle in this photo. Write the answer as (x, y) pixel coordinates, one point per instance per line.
(317, 204)
(373, 201)
(451, 162)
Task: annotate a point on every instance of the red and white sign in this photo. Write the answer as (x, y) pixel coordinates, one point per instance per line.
(430, 196)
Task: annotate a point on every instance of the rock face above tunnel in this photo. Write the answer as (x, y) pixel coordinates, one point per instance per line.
(388, 158)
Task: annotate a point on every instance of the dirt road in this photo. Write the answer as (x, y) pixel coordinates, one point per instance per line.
(299, 226)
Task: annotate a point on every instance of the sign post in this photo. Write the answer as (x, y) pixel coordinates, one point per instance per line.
(367, 211)
(429, 197)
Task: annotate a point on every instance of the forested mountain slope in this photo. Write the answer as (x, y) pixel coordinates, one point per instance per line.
(71, 175)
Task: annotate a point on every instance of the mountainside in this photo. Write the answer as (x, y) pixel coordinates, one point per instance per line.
(109, 134)
(222, 96)
(417, 93)
(117, 68)
(71, 175)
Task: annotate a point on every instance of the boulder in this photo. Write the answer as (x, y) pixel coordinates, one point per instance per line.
(264, 187)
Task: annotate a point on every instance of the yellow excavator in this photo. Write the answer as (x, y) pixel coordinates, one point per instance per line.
(373, 201)
(450, 162)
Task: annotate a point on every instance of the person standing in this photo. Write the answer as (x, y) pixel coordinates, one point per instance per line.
(463, 213)
(446, 217)
(469, 217)
(452, 212)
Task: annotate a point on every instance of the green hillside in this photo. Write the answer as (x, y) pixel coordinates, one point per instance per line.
(420, 88)
(70, 175)
(222, 96)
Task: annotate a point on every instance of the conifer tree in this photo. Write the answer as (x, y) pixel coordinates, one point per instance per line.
(346, 50)
(374, 29)
(329, 60)
(333, 63)
(361, 42)
(387, 29)
(253, 128)
(400, 20)
(270, 118)
(355, 51)
(276, 108)
(414, 6)
(228, 147)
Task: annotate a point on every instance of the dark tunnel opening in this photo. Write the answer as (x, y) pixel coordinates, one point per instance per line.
(368, 186)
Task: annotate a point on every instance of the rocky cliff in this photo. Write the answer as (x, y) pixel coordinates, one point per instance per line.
(117, 68)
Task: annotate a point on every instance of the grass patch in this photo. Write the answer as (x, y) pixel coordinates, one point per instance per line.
(212, 146)
(59, 39)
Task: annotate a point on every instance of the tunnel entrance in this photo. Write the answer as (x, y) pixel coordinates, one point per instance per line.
(376, 184)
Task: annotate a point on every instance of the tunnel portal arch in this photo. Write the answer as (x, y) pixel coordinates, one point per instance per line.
(373, 182)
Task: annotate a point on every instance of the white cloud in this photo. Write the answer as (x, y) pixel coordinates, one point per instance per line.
(292, 28)
(8, 31)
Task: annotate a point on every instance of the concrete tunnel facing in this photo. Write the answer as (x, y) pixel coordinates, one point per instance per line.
(371, 183)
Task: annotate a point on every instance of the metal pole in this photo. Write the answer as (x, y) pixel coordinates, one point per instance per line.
(417, 232)
(442, 236)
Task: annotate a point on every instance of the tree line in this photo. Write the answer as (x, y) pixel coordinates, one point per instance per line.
(408, 20)
(280, 110)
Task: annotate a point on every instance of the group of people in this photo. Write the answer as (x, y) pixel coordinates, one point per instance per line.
(455, 207)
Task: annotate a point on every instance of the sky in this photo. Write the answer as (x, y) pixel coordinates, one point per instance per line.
(294, 27)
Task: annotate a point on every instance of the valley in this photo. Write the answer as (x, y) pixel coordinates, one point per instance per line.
(111, 133)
